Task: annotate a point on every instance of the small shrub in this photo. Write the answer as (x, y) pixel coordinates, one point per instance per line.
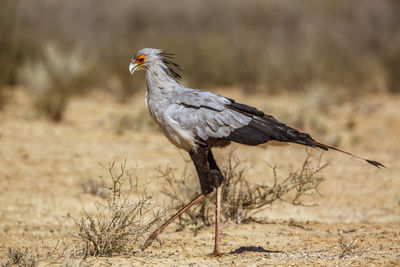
(241, 198)
(119, 221)
(346, 246)
(20, 258)
(54, 79)
(391, 63)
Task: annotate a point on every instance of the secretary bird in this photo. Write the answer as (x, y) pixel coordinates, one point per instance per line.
(196, 121)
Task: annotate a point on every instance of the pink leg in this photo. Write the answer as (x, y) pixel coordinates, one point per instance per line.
(216, 252)
(155, 234)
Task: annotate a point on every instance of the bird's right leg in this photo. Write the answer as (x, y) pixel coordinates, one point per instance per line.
(200, 160)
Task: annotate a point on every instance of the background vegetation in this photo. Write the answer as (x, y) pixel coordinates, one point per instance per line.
(258, 45)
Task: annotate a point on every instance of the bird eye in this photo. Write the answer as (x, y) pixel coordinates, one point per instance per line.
(140, 59)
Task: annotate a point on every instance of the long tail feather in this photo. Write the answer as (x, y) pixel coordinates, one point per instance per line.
(326, 147)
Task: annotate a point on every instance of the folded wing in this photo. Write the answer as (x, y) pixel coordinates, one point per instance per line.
(215, 116)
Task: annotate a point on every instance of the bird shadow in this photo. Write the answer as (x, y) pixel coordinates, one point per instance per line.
(243, 249)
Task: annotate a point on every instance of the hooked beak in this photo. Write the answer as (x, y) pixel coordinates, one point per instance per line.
(133, 67)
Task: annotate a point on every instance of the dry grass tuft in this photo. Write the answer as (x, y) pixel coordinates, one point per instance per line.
(347, 247)
(242, 198)
(20, 258)
(120, 220)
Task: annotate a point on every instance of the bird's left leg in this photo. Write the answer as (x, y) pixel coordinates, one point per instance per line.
(218, 178)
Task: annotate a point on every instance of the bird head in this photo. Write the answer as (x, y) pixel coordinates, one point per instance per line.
(148, 57)
(143, 58)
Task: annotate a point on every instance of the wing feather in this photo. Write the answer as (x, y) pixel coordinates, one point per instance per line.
(208, 114)
(263, 128)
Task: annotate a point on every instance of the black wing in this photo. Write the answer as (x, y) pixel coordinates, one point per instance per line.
(263, 128)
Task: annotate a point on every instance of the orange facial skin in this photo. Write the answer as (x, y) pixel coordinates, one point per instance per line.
(140, 59)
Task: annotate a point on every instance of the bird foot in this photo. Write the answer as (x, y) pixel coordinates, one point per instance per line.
(216, 253)
(150, 240)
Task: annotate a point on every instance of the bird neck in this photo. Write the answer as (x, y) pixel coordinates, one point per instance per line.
(159, 80)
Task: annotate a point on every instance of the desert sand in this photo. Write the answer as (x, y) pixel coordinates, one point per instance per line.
(42, 165)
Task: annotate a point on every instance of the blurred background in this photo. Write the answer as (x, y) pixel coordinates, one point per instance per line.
(57, 49)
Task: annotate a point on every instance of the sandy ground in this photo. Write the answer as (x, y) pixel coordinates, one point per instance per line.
(43, 163)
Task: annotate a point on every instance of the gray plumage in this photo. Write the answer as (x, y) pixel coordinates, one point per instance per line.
(190, 117)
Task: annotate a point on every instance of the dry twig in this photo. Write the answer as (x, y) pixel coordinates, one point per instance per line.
(242, 198)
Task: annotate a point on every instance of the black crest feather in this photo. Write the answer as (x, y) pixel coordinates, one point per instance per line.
(172, 67)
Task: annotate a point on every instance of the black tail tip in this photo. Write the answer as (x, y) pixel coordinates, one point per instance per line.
(375, 163)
